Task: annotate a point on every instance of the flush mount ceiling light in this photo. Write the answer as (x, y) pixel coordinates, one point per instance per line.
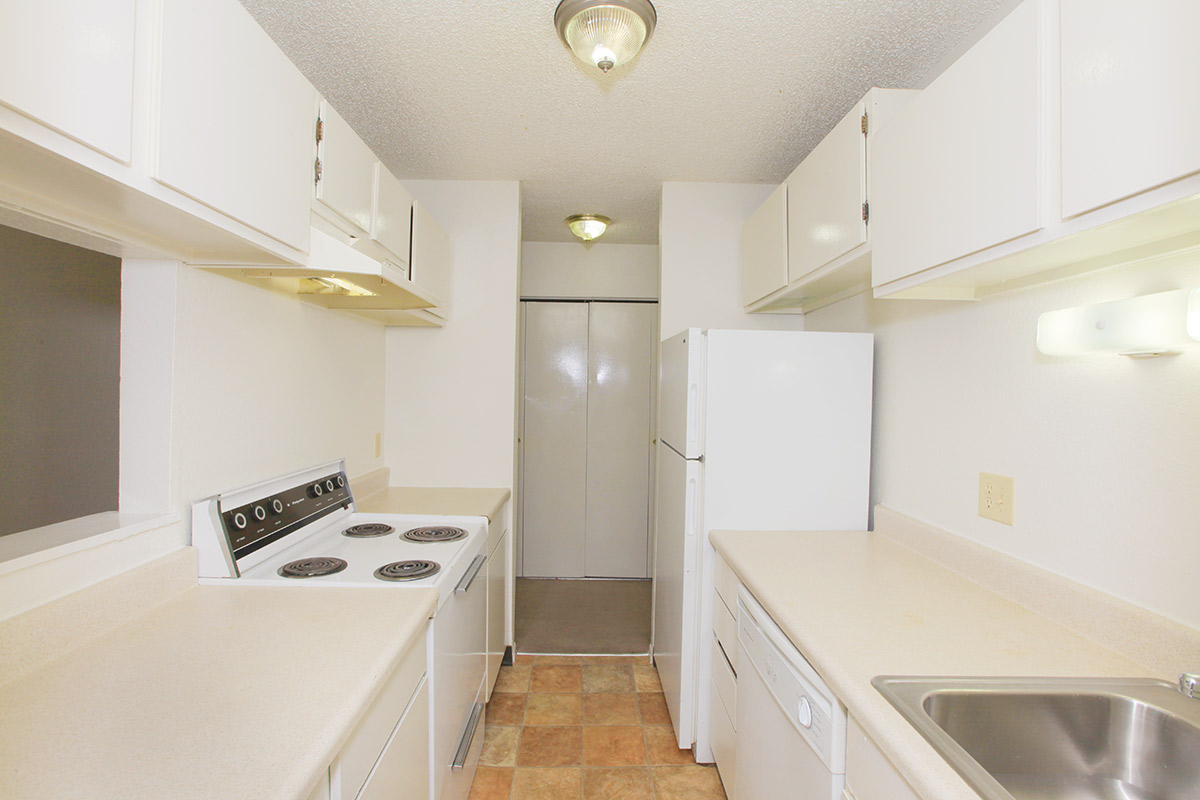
(605, 33)
(588, 226)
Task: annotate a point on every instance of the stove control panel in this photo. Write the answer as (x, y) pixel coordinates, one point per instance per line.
(255, 525)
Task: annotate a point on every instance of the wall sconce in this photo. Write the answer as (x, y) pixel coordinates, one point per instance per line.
(1139, 327)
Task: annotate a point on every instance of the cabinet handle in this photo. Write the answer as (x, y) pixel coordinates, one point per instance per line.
(464, 745)
(472, 573)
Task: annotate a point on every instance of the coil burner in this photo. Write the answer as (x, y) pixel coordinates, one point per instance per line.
(435, 533)
(407, 570)
(312, 567)
(367, 530)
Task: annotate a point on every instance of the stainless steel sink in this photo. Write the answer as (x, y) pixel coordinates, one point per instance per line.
(1056, 738)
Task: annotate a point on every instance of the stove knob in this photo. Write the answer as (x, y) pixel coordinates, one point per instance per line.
(341, 482)
(329, 485)
(276, 506)
(316, 490)
(260, 513)
(239, 520)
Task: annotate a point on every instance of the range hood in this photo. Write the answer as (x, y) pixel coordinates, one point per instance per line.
(338, 276)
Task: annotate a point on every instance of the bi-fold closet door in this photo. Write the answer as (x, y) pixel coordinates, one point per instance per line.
(588, 375)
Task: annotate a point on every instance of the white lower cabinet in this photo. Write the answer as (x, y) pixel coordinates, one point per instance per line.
(722, 734)
(497, 603)
(387, 755)
(869, 774)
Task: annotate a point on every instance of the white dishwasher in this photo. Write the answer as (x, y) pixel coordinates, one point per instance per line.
(791, 729)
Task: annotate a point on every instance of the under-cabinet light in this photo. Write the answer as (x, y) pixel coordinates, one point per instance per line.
(1139, 327)
(332, 285)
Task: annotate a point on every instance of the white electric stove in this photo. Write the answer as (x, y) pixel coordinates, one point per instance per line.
(304, 529)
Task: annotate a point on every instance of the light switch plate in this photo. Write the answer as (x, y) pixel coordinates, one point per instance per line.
(996, 497)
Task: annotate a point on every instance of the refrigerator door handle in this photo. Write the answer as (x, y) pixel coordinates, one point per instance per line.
(689, 514)
(693, 424)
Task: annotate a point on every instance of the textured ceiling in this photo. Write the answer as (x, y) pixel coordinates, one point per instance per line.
(724, 91)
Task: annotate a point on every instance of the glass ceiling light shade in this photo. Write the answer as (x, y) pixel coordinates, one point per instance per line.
(605, 33)
(588, 226)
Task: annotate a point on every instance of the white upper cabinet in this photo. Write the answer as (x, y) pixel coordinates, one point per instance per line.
(810, 242)
(826, 194)
(346, 179)
(69, 65)
(431, 254)
(765, 248)
(392, 223)
(1130, 98)
(959, 169)
(234, 119)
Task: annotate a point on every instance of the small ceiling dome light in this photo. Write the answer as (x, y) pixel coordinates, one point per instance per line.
(588, 226)
(606, 33)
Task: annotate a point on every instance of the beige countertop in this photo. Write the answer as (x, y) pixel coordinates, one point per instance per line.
(436, 501)
(231, 692)
(860, 605)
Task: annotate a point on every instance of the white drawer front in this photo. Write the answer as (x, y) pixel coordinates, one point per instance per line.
(724, 681)
(726, 583)
(724, 742)
(725, 628)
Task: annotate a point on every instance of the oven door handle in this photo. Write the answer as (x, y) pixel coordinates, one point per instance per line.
(464, 745)
(472, 573)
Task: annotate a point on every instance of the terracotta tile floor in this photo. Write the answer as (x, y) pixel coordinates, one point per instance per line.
(585, 728)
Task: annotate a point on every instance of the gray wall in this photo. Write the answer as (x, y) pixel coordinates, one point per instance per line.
(60, 328)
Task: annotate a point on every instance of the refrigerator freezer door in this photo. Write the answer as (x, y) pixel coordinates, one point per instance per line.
(676, 571)
(680, 393)
(787, 430)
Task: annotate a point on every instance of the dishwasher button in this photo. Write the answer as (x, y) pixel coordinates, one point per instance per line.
(804, 713)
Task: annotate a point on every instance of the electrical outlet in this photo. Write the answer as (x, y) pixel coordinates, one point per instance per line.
(996, 497)
(378, 445)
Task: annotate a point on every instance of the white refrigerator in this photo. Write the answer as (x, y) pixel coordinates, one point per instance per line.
(758, 430)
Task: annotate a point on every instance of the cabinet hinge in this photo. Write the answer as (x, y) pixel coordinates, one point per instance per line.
(866, 212)
(320, 129)
(316, 172)
(864, 123)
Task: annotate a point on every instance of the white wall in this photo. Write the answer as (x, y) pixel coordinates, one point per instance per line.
(565, 270)
(1103, 450)
(266, 384)
(451, 392)
(700, 237)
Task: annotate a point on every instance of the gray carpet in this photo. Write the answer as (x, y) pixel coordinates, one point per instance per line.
(583, 617)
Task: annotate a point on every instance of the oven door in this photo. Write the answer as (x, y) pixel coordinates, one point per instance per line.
(459, 665)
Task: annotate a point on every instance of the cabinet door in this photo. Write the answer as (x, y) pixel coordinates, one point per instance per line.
(69, 64)
(402, 772)
(825, 197)
(1130, 98)
(393, 215)
(234, 119)
(347, 182)
(959, 170)
(431, 254)
(765, 248)
(869, 774)
(497, 608)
